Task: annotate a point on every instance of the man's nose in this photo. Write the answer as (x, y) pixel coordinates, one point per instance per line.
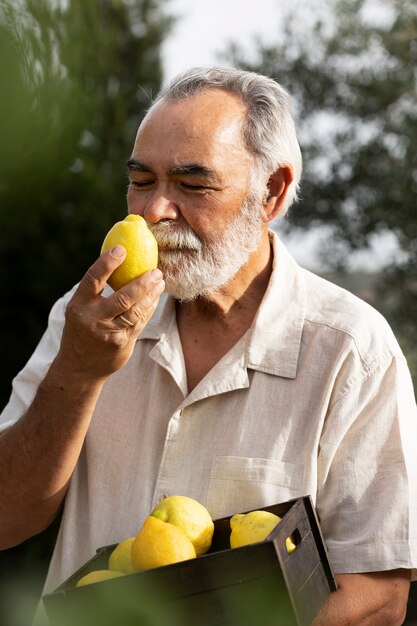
(160, 207)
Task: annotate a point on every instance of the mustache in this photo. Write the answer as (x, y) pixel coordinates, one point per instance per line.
(168, 234)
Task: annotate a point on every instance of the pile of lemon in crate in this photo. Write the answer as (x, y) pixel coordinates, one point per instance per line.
(180, 528)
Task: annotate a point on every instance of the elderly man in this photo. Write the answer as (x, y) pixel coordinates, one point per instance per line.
(249, 382)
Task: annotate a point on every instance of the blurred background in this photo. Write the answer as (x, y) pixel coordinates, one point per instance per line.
(75, 79)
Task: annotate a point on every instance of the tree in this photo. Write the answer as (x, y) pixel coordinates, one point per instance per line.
(75, 79)
(353, 81)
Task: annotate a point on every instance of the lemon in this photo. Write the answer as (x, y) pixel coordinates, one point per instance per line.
(120, 559)
(97, 576)
(159, 543)
(141, 249)
(189, 515)
(253, 527)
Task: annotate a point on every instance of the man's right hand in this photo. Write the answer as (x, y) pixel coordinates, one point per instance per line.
(39, 452)
(96, 341)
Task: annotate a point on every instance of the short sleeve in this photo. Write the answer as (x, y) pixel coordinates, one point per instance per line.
(25, 384)
(367, 473)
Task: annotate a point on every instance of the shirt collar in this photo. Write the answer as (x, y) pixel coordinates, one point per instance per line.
(275, 336)
(273, 342)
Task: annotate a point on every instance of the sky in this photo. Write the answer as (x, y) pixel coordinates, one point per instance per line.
(205, 28)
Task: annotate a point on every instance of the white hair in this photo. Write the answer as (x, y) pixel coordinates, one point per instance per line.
(269, 131)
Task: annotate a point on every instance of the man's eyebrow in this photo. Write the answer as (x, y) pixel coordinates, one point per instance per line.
(138, 166)
(194, 169)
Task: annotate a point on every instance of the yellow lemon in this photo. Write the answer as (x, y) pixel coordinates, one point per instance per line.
(253, 527)
(159, 543)
(189, 515)
(141, 249)
(120, 559)
(97, 576)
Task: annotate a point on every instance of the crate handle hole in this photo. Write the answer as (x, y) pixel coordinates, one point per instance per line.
(293, 541)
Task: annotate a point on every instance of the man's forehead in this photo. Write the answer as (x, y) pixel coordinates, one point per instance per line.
(196, 129)
(211, 110)
(209, 98)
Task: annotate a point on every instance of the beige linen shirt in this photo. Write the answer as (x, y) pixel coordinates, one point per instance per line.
(316, 398)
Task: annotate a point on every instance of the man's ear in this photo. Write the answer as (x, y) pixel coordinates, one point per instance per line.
(277, 186)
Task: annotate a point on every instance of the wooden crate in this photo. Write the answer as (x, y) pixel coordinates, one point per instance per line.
(259, 584)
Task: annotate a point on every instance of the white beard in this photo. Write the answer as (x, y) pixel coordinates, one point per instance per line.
(193, 268)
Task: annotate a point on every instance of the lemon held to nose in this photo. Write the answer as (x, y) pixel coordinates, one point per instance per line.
(159, 543)
(97, 576)
(189, 515)
(141, 249)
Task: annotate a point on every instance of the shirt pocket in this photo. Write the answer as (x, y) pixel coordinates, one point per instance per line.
(239, 484)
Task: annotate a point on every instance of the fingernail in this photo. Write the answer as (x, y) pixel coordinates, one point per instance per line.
(156, 275)
(117, 251)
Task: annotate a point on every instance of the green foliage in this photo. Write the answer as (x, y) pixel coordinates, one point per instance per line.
(353, 82)
(75, 79)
